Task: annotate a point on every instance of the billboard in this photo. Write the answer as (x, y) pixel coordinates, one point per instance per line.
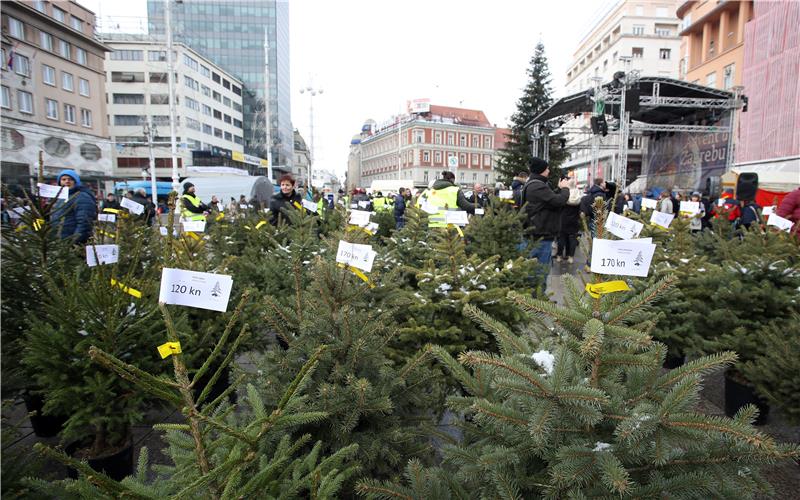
(685, 159)
(419, 106)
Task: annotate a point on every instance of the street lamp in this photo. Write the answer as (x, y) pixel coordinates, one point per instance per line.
(312, 92)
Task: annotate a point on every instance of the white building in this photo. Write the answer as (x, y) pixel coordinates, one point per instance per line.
(208, 112)
(633, 35)
(325, 180)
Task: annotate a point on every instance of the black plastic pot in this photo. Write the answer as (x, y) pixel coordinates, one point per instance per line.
(43, 425)
(220, 386)
(117, 466)
(738, 394)
(674, 361)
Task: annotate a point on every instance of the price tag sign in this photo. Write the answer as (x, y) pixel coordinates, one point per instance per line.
(456, 217)
(623, 227)
(622, 257)
(720, 202)
(767, 211)
(50, 191)
(132, 206)
(310, 205)
(243, 206)
(363, 204)
(101, 254)
(690, 207)
(359, 217)
(429, 208)
(505, 194)
(195, 289)
(779, 222)
(163, 230)
(661, 219)
(106, 217)
(372, 227)
(479, 211)
(649, 203)
(194, 226)
(355, 255)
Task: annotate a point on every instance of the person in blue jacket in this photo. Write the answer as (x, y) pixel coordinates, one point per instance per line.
(75, 217)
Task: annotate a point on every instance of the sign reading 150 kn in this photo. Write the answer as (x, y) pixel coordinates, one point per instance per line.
(622, 257)
(195, 289)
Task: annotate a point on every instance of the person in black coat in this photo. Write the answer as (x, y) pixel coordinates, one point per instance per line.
(568, 233)
(286, 199)
(598, 190)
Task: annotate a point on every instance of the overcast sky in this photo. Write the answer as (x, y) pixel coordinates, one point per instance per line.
(370, 56)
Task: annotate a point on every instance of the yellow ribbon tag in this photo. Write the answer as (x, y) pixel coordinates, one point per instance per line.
(220, 216)
(460, 232)
(38, 224)
(297, 205)
(358, 273)
(131, 291)
(168, 349)
(258, 226)
(112, 210)
(598, 289)
(110, 235)
(359, 228)
(193, 235)
(248, 228)
(659, 227)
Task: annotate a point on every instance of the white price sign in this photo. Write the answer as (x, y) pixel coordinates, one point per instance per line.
(194, 226)
(244, 206)
(359, 217)
(623, 227)
(429, 208)
(49, 191)
(456, 217)
(622, 257)
(690, 207)
(779, 222)
(195, 289)
(132, 206)
(106, 217)
(310, 205)
(661, 219)
(363, 204)
(18, 212)
(649, 203)
(101, 254)
(479, 211)
(352, 254)
(767, 211)
(505, 194)
(372, 227)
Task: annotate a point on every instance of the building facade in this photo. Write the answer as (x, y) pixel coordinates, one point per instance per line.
(325, 181)
(639, 35)
(419, 146)
(53, 94)
(231, 33)
(712, 43)
(208, 111)
(302, 160)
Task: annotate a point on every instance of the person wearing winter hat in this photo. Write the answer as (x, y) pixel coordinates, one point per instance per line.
(543, 214)
(192, 207)
(75, 217)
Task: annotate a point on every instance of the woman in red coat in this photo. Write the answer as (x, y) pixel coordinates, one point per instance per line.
(790, 208)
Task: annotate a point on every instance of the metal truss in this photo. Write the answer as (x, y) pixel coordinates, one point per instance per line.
(649, 127)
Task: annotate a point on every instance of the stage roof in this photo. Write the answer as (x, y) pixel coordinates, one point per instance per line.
(668, 87)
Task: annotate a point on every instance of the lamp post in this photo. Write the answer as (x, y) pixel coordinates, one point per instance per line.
(312, 92)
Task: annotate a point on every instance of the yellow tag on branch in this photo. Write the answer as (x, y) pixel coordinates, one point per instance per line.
(193, 235)
(460, 232)
(112, 210)
(297, 205)
(110, 235)
(598, 289)
(168, 349)
(358, 273)
(126, 289)
(38, 224)
(258, 226)
(220, 216)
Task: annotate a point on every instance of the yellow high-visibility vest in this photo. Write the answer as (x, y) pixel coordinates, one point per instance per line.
(443, 199)
(195, 201)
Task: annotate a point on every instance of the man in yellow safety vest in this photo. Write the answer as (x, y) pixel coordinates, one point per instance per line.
(442, 196)
(192, 207)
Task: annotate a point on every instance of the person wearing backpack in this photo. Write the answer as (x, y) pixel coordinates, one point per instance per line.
(543, 214)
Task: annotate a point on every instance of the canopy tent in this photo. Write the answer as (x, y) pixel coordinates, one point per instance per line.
(163, 188)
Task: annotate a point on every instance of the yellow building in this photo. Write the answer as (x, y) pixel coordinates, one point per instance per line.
(712, 43)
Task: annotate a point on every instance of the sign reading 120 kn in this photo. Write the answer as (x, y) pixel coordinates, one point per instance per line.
(195, 289)
(622, 257)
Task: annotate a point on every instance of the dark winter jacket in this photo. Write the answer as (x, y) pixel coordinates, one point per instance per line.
(571, 219)
(76, 216)
(587, 202)
(149, 208)
(461, 201)
(751, 213)
(399, 206)
(543, 207)
(790, 206)
(479, 200)
(280, 203)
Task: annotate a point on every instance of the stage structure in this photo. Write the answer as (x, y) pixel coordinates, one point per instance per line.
(637, 105)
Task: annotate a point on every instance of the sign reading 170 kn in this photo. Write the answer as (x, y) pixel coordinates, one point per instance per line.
(195, 289)
(622, 257)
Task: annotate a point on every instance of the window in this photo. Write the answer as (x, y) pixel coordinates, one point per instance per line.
(205, 71)
(160, 98)
(638, 29)
(227, 119)
(226, 101)
(215, 77)
(711, 50)
(161, 120)
(205, 90)
(49, 75)
(218, 114)
(218, 133)
(711, 79)
(450, 139)
(426, 156)
(236, 90)
(437, 157)
(207, 110)
(128, 120)
(76, 23)
(425, 177)
(637, 52)
(237, 123)
(59, 15)
(193, 124)
(3, 60)
(155, 77)
(226, 84)
(46, 41)
(22, 65)
(69, 113)
(462, 159)
(437, 138)
(16, 28)
(664, 53)
(127, 55)
(67, 81)
(64, 49)
(156, 55)
(207, 129)
(192, 104)
(727, 76)
(228, 136)
(51, 109)
(192, 63)
(39, 5)
(237, 106)
(474, 177)
(663, 32)
(83, 87)
(461, 176)
(475, 161)
(687, 21)
(238, 139)
(487, 160)
(191, 82)
(486, 178)
(487, 142)
(126, 76)
(462, 140)
(25, 101)
(217, 96)
(128, 98)
(86, 118)
(6, 103)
